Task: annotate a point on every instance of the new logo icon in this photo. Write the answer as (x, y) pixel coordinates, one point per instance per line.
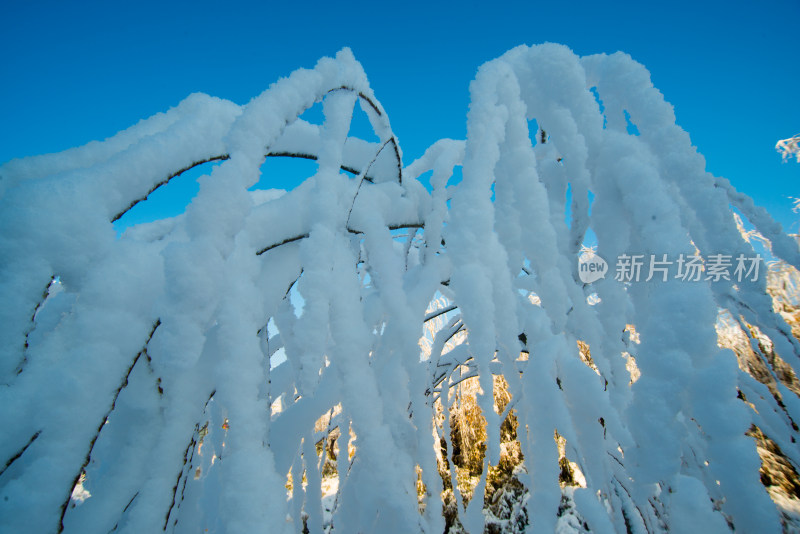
(591, 267)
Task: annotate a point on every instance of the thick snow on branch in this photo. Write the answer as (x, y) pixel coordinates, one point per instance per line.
(185, 376)
(789, 147)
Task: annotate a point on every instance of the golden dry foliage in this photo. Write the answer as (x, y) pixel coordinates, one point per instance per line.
(756, 356)
(464, 460)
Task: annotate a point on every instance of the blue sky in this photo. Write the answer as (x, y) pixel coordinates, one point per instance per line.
(74, 72)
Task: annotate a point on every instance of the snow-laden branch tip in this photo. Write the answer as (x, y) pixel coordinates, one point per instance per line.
(789, 147)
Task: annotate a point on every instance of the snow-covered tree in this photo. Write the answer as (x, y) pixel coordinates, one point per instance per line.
(185, 376)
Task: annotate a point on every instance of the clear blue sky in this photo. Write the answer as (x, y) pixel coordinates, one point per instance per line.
(77, 71)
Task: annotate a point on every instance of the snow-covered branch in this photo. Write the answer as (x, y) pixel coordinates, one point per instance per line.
(382, 356)
(789, 147)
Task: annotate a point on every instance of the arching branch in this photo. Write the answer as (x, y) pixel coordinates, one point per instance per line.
(351, 230)
(175, 174)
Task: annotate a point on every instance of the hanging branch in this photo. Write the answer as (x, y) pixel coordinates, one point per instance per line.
(187, 459)
(362, 177)
(116, 525)
(88, 456)
(32, 325)
(20, 452)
